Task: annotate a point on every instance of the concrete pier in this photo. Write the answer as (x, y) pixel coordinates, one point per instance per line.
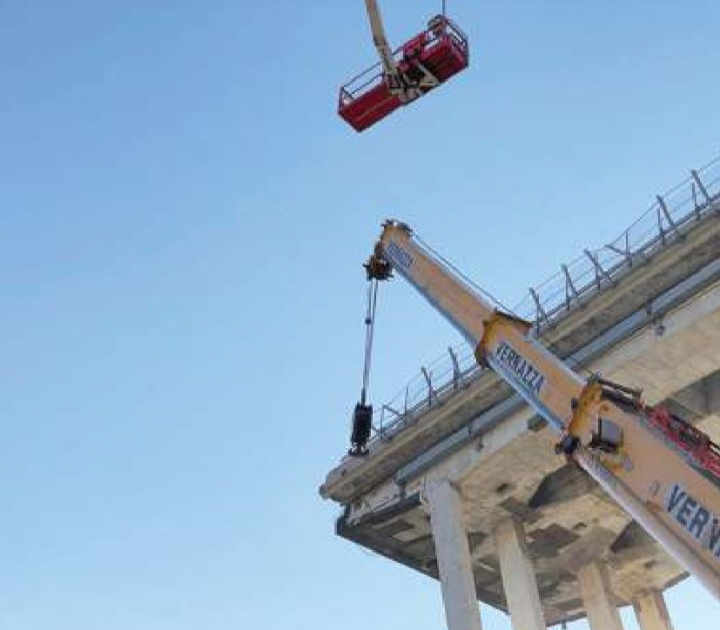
(602, 613)
(518, 576)
(453, 556)
(651, 612)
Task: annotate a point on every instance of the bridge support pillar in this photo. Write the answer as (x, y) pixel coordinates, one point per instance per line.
(601, 611)
(453, 556)
(651, 612)
(518, 577)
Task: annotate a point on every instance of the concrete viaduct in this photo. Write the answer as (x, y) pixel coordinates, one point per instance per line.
(464, 485)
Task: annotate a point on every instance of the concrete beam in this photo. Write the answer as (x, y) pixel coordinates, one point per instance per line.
(702, 398)
(601, 611)
(651, 612)
(518, 577)
(712, 390)
(453, 556)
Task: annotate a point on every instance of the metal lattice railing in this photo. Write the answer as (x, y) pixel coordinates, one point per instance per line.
(669, 217)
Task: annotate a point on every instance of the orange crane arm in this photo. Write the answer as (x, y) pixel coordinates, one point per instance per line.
(661, 470)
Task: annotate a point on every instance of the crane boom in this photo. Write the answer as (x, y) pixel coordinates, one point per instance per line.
(661, 470)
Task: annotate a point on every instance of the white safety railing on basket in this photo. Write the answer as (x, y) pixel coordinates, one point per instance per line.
(668, 218)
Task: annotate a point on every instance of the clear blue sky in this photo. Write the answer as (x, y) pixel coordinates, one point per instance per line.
(182, 223)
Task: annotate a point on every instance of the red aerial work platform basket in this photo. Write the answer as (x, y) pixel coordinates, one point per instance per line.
(440, 51)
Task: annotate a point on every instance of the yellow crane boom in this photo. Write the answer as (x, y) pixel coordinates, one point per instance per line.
(661, 470)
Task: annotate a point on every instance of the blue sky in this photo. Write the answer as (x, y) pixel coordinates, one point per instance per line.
(182, 223)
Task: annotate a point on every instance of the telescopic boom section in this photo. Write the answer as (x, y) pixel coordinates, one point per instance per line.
(661, 470)
(392, 75)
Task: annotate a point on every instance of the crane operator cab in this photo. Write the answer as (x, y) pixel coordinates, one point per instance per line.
(405, 74)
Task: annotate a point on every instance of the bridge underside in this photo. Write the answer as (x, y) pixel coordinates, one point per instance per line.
(567, 517)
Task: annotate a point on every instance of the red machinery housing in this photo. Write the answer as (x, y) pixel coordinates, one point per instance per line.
(691, 440)
(441, 51)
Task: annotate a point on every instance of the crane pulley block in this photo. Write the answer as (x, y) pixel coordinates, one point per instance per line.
(422, 64)
(378, 267)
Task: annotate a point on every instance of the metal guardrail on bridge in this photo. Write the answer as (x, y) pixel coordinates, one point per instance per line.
(670, 216)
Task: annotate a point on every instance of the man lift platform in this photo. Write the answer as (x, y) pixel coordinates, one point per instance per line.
(403, 75)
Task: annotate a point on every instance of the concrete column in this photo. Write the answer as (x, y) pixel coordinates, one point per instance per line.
(518, 577)
(602, 613)
(453, 555)
(651, 612)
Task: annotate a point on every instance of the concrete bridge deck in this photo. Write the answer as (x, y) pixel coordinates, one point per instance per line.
(653, 323)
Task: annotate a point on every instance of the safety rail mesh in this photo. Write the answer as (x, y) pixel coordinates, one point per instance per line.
(668, 218)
